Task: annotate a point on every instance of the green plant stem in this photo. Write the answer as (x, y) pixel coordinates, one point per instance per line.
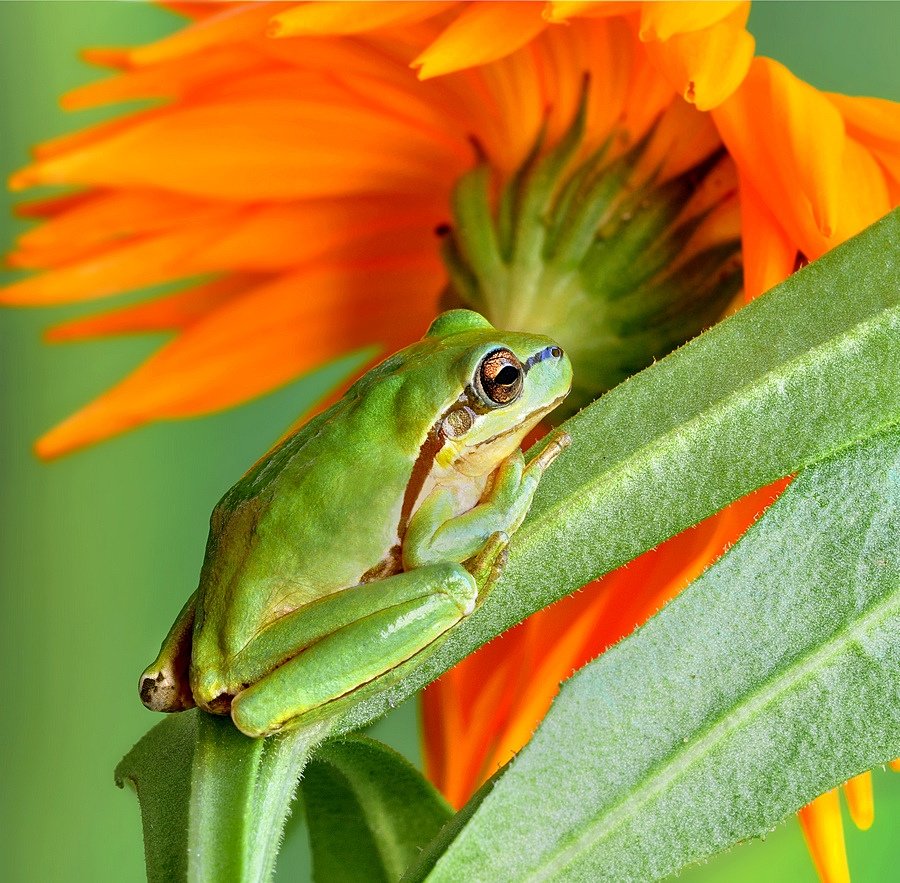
(213, 801)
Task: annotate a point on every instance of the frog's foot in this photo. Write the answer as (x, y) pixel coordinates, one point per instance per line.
(488, 564)
(559, 441)
(164, 685)
(162, 690)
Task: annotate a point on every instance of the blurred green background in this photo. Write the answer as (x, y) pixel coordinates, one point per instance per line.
(98, 550)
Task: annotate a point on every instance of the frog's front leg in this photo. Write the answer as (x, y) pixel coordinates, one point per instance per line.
(435, 534)
(345, 640)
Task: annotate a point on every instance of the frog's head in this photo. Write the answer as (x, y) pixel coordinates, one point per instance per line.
(507, 381)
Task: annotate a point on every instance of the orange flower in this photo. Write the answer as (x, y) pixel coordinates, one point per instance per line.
(293, 174)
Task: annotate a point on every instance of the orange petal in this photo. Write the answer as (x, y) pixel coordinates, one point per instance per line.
(706, 66)
(788, 139)
(769, 255)
(865, 196)
(165, 80)
(279, 237)
(231, 25)
(483, 32)
(81, 138)
(681, 138)
(170, 313)
(858, 792)
(662, 20)
(514, 89)
(105, 218)
(107, 56)
(194, 8)
(824, 833)
(276, 149)
(50, 206)
(895, 765)
(343, 18)
(138, 263)
(649, 94)
(875, 122)
(563, 10)
(251, 345)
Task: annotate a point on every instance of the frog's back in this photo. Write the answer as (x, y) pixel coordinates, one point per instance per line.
(317, 513)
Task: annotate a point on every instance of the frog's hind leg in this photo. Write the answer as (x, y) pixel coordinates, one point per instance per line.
(372, 628)
(164, 684)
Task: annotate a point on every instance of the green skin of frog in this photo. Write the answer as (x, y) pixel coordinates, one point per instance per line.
(362, 538)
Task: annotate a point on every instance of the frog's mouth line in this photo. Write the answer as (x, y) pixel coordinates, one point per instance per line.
(537, 414)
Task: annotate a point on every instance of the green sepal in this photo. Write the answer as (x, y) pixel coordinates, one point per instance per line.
(570, 235)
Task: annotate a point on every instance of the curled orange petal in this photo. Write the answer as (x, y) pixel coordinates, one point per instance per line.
(323, 17)
(895, 765)
(824, 833)
(865, 196)
(662, 19)
(706, 66)
(873, 121)
(796, 165)
(465, 43)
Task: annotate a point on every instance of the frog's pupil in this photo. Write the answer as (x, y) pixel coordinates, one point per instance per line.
(507, 376)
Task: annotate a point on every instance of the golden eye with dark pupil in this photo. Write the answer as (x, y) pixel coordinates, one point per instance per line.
(500, 377)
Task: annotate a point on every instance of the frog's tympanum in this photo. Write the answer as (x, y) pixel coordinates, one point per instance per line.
(359, 540)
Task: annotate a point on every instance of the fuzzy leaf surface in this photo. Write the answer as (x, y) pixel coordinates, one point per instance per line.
(772, 678)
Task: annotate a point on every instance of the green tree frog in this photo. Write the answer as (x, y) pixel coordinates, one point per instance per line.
(365, 536)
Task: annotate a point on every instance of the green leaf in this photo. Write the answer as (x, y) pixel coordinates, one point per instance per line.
(772, 678)
(213, 801)
(369, 812)
(158, 768)
(804, 370)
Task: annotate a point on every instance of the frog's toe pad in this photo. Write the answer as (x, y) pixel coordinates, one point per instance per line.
(160, 691)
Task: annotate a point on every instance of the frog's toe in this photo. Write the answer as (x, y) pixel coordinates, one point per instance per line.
(488, 563)
(161, 691)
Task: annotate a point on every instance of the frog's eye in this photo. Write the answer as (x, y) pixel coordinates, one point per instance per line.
(498, 380)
